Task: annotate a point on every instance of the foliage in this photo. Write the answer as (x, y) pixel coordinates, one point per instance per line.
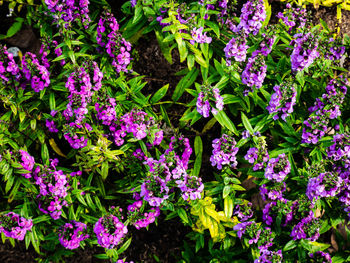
(86, 152)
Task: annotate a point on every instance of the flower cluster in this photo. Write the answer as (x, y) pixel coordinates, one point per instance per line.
(340, 149)
(71, 234)
(293, 17)
(304, 52)
(199, 37)
(70, 11)
(263, 237)
(324, 110)
(334, 50)
(112, 41)
(27, 163)
(137, 122)
(109, 231)
(320, 256)
(81, 85)
(277, 168)
(243, 211)
(258, 155)
(36, 74)
(327, 184)
(282, 100)
(53, 187)
(237, 47)
(253, 13)
(307, 228)
(255, 72)
(15, 226)
(224, 152)
(203, 105)
(9, 69)
(267, 256)
(142, 220)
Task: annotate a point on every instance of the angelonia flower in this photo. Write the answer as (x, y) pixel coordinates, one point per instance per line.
(27, 163)
(81, 84)
(254, 73)
(141, 220)
(267, 256)
(325, 109)
(320, 256)
(109, 38)
(237, 48)
(273, 192)
(123, 260)
(253, 13)
(9, 69)
(277, 168)
(243, 211)
(203, 104)
(304, 52)
(109, 231)
(15, 226)
(224, 152)
(252, 155)
(199, 37)
(71, 234)
(106, 111)
(154, 189)
(282, 100)
(293, 17)
(133, 4)
(36, 74)
(53, 188)
(136, 122)
(340, 149)
(69, 11)
(308, 228)
(327, 184)
(334, 49)
(256, 234)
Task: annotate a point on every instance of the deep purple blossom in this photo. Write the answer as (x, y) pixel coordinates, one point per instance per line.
(252, 15)
(237, 48)
(203, 104)
(277, 168)
(224, 152)
(71, 234)
(254, 73)
(109, 231)
(15, 226)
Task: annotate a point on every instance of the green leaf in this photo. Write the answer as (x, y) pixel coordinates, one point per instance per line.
(226, 191)
(290, 245)
(185, 83)
(246, 123)
(52, 101)
(16, 26)
(160, 94)
(104, 170)
(45, 154)
(183, 215)
(198, 145)
(222, 118)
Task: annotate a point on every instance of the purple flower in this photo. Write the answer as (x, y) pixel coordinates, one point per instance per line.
(237, 48)
(255, 71)
(282, 100)
(252, 15)
(304, 52)
(267, 256)
(71, 234)
(277, 168)
(109, 231)
(320, 256)
(203, 105)
(15, 226)
(252, 155)
(133, 3)
(224, 152)
(199, 37)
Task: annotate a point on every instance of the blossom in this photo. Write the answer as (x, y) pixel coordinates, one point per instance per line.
(253, 13)
(109, 231)
(237, 48)
(224, 152)
(255, 72)
(203, 105)
(282, 100)
(277, 168)
(199, 37)
(71, 234)
(15, 226)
